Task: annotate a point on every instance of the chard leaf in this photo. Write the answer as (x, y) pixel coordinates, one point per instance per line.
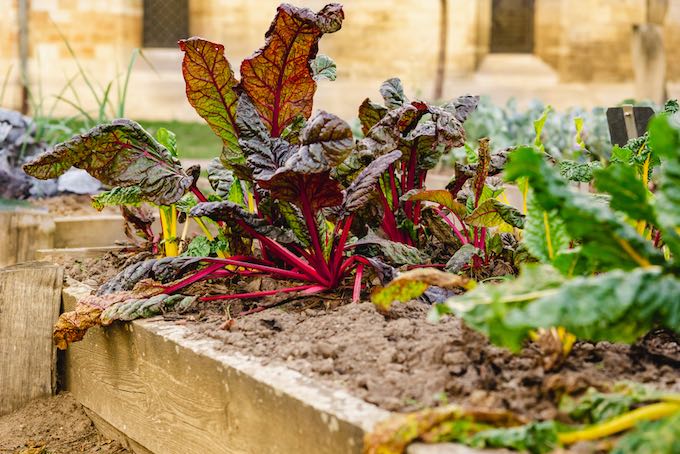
(325, 142)
(462, 257)
(482, 171)
(318, 189)
(295, 221)
(370, 114)
(163, 270)
(536, 438)
(392, 92)
(199, 247)
(493, 213)
(629, 195)
(439, 196)
(604, 237)
(233, 213)
(664, 138)
(385, 135)
(412, 284)
(135, 308)
(581, 172)
(364, 185)
(462, 107)
(211, 88)
(292, 132)
(220, 178)
(168, 139)
(120, 153)
(323, 67)
(545, 235)
(396, 253)
(277, 78)
(651, 437)
(617, 306)
(130, 195)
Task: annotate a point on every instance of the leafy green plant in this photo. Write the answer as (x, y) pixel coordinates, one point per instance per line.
(636, 286)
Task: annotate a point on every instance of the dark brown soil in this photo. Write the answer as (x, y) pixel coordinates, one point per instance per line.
(54, 425)
(95, 271)
(70, 205)
(404, 362)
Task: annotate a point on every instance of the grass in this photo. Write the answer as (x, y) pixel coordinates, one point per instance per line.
(194, 140)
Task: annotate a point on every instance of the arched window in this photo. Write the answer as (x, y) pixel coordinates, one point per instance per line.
(512, 26)
(165, 22)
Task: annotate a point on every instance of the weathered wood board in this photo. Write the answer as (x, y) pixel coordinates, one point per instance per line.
(30, 296)
(89, 231)
(22, 232)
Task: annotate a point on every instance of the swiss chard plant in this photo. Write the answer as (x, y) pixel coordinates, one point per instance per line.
(612, 271)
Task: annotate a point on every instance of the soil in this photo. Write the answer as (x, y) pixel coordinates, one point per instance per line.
(401, 361)
(94, 271)
(54, 425)
(71, 205)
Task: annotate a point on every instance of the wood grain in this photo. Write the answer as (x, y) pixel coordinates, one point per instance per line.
(22, 232)
(30, 296)
(174, 394)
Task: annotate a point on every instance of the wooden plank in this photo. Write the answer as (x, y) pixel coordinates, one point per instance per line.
(22, 232)
(174, 394)
(30, 296)
(89, 231)
(62, 255)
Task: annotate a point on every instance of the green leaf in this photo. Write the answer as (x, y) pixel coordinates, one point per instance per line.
(581, 172)
(120, 153)
(199, 247)
(133, 309)
(664, 138)
(628, 194)
(536, 438)
(538, 128)
(295, 221)
(545, 235)
(131, 195)
(323, 67)
(652, 437)
(605, 238)
(168, 139)
(493, 213)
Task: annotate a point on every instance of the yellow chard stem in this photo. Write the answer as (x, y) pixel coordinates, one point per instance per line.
(208, 235)
(620, 423)
(641, 225)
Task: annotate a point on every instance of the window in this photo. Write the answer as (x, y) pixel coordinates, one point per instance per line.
(512, 26)
(165, 22)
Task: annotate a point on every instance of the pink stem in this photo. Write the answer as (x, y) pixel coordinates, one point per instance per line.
(202, 274)
(452, 225)
(356, 293)
(257, 294)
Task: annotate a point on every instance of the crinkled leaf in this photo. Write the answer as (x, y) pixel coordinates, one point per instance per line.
(386, 135)
(462, 257)
(323, 67)
(220, 178)
(318, 188)
(536, 438)
(439, 196)
(628, 193)
(545, 235)
(277, 78)
(462, 106)
(199, 247)
(133, 308)
(604, 237)
(396, 253)
(614, 306)
(581, 172)
(295, 221)
(131, 195)
(211, 87)
(233, 213)
(162, 270)
(370, 114)
(664, 138)
(392, 92)
(412, 284)
(120, 153)
(292, 132)
(482, 170)
(364, 185)
(493, 213)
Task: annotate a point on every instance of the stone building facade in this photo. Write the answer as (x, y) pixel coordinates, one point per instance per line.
(581, 41)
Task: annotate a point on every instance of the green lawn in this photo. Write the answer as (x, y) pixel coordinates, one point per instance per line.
(194, 140)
